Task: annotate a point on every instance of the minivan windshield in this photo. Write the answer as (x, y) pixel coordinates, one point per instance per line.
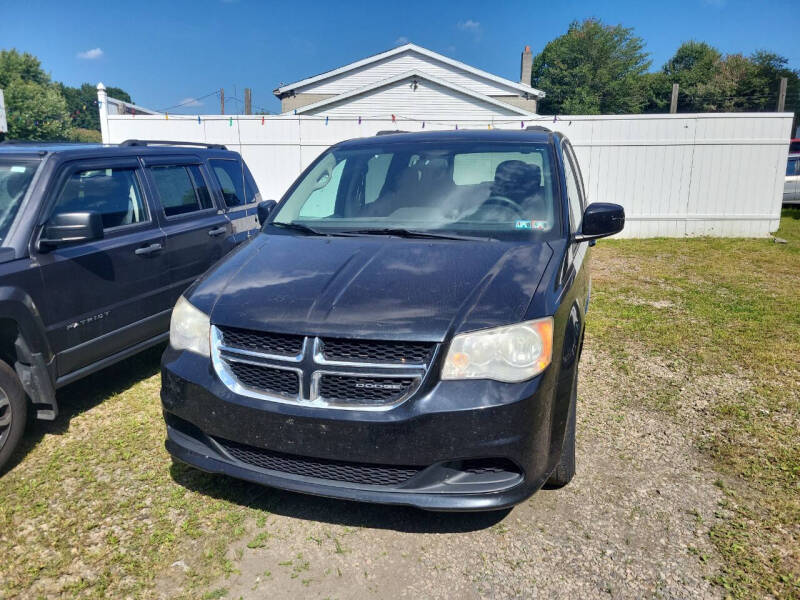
(476, 189)
(15, 177)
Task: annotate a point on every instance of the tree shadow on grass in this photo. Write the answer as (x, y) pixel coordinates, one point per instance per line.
(84, 394)
(329, 510)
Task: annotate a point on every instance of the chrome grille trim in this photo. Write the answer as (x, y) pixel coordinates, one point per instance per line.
(310, 366)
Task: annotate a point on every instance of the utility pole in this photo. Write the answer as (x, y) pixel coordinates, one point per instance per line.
(248, 106)
(221, 101)
(782, 95)
(673, 103)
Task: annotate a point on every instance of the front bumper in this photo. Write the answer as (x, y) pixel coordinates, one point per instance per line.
(470, 445)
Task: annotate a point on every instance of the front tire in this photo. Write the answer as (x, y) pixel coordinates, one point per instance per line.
(565, 470)
(13, 413)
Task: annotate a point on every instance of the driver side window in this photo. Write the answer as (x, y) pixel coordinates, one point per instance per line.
(113, 193)
(573, 192)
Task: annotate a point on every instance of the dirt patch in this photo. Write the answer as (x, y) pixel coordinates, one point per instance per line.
(634, 523)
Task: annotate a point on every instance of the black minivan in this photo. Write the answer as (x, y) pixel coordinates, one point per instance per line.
(405, 329)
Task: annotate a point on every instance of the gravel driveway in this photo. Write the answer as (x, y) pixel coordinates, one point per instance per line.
(633, 523)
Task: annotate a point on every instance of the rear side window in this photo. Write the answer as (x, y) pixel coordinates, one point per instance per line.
(791, 167)
(113, 193)
(181, 189)
(236, 189)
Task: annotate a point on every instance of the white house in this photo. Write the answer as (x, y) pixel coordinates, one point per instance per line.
(411, 82)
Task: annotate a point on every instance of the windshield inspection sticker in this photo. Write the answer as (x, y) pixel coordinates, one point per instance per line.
(542, 225)
(523, 225)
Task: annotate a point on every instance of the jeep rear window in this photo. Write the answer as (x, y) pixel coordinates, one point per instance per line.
(15, 178)
(490, 189)
(181, 189)
(236, 189)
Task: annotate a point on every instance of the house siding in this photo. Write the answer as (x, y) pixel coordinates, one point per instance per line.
(429, 101)
(402, 63)
(289, 102)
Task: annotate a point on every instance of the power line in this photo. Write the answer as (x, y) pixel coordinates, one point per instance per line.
(190, 101)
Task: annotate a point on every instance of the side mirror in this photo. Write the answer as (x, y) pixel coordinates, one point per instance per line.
(600, 219)
(71, 228)
(263, 209)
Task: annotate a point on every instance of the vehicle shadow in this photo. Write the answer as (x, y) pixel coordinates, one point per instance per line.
(84, 394)
(329, 510)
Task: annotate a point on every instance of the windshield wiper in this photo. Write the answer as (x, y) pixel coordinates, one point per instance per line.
(299, 227)
(414, 233)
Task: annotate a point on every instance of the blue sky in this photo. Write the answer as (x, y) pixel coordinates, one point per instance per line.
(166, 52)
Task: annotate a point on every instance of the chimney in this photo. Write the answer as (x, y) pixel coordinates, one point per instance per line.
(526, 67)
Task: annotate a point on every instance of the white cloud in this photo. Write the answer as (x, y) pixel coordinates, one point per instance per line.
(190, 102)
(469, 25)
(92, 54)
(401, 40)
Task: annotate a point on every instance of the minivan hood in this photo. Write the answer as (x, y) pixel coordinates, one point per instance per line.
(375, 286)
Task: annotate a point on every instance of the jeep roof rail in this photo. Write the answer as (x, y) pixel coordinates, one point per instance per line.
(391, 131)
(127, 143)
(541, 128)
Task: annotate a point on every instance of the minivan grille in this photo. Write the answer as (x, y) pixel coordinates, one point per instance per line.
(375, 351)
(332, 470)
(330, 373)
(258, 341)
(364, 390)
(273, 381)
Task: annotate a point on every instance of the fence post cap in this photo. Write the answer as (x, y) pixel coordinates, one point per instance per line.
(100, 87)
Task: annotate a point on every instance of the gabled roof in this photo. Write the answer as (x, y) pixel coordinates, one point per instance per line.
(521, 87)
(408, 75)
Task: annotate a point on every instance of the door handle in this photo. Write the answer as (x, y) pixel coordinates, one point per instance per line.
(217, 231)
(151, 249)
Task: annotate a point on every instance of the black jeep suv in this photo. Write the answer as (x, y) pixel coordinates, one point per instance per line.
(96, 245)
(406, 328)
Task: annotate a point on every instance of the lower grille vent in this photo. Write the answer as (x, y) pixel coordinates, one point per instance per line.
(332, 470)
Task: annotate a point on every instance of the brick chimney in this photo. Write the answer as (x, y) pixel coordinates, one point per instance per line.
(526, 66)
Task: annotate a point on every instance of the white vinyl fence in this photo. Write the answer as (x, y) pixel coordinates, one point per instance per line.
(676, 175)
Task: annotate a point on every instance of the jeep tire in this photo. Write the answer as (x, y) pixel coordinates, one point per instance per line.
(13, 413)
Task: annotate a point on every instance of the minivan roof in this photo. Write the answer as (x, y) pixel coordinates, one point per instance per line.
(476, 135)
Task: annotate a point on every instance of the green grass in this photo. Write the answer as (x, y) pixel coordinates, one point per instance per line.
(95, 507)
(725, 313)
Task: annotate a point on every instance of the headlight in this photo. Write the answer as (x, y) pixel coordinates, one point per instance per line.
(189, 328)
(512, 353)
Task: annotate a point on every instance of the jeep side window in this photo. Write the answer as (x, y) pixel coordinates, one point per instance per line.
(573, 194)
(236, 189)
(182, 189)
(113, 193)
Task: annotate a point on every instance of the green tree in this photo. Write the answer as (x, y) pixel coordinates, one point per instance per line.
(592, 69)
(711, 82)
(35, 109)
(82, 103)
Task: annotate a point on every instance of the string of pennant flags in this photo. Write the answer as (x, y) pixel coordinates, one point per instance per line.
(394, 119)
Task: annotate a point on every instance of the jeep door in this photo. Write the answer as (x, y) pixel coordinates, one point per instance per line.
(198, 232)
(107, 295)
(234, 185)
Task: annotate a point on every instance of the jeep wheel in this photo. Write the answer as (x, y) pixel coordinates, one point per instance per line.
(13, 413)
(565, 470)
